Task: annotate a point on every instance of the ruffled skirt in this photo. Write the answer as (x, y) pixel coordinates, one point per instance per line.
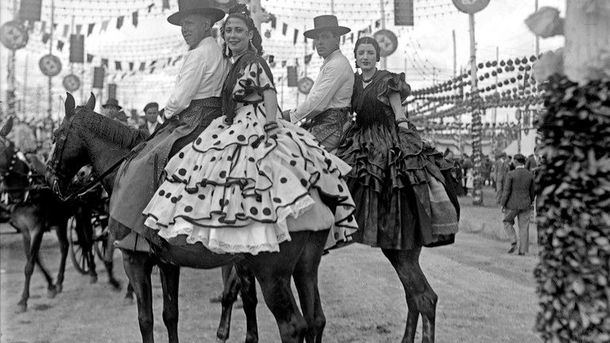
(403, 188)
(238, 189)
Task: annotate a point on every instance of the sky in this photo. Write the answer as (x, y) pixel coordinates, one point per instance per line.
(425, 50)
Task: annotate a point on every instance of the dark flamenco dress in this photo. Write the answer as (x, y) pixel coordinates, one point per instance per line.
(403, 188)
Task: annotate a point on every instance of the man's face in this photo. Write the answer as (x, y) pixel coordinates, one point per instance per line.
(194, 29)
(109, 110)
(151, 114)
(326, 43)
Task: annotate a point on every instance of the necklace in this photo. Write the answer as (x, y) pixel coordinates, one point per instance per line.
(370, 79)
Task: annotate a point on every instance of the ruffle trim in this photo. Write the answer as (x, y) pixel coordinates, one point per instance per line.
(410, 161)
(310, 167)
(393, 83)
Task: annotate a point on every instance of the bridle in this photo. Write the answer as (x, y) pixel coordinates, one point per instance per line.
(17, 156)
(53, 167)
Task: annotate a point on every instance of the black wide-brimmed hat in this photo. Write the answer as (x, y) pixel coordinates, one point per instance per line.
(208, 8)
(112, 102)
(326, 23)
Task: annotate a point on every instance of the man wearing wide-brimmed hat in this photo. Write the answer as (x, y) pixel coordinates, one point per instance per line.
(193, 104)
(326, 108)
(112, 103)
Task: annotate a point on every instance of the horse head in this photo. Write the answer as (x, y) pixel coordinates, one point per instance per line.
(69, 152)
(7, 148)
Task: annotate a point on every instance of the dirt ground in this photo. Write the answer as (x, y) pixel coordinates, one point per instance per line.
(485, 295)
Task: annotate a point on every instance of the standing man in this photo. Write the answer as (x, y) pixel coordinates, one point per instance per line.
(501, 168)
(517, 200)
(151, 114)
(327, 107)
(193, 104)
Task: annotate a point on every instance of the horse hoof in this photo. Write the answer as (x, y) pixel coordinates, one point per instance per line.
(21, 308)
(116, 285)
(127, 301)
(93, 279)
(59, 288)
(51, 292)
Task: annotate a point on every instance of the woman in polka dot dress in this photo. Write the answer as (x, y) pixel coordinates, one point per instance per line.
(248, 180)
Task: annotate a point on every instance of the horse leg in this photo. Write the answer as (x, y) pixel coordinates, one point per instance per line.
(248, 296)
(29, 269)
(420, 296)
(109, 264)
(170, 279)
(62, 237)
(273, 272)
(138, 267)
(231, 287)
(306, 282)
(128, 299)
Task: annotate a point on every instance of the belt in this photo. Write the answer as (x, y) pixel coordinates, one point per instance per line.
(214, 101)
(321, 117)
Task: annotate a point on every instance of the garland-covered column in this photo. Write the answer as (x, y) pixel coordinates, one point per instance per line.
(573, 274)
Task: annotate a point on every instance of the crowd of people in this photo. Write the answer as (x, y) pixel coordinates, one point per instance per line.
(512, 178)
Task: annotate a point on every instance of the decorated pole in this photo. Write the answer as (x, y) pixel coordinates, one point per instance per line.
(573, 221)
(382, 10)
(476, 126)
(50, 80)
(471, 7)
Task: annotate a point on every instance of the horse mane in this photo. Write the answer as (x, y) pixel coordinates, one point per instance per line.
(110, 129)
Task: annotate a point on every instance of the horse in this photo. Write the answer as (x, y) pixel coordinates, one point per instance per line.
(34, 210)
(30, 217)
(86, 137)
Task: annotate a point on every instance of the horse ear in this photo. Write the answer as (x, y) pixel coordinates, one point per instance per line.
(91, 102)
(69, 105)
(7, 127)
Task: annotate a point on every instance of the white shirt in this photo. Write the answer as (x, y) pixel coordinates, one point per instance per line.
(201, 76)
(332, 89)
(151, 126)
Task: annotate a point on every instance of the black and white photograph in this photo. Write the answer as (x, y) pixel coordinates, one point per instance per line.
(340, 171)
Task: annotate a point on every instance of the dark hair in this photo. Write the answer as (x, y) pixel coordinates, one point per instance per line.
(519, 158)
(367, 40)
(241, 11)
(151, 104)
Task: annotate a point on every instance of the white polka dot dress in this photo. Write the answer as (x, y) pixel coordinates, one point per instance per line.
(240, 189)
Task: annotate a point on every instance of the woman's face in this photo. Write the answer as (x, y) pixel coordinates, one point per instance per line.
(237, 36)
(366, 57)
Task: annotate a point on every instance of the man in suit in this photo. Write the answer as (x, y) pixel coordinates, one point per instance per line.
(151, 114)
(517, 199)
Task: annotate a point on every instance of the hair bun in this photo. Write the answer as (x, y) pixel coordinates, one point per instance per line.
(240, 9)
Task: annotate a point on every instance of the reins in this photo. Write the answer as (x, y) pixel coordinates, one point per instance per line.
(56, 157)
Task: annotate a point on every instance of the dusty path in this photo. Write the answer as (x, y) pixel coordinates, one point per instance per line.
(485, 296)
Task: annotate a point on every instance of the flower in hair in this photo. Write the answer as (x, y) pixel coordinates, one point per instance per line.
(240, 9)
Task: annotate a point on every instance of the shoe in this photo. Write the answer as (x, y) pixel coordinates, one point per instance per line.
(521, 254)
(512, 249)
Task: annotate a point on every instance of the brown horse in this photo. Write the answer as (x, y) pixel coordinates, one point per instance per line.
(86, 137)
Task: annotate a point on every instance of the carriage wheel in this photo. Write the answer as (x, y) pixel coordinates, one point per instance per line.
(101, 244)
(77, 255)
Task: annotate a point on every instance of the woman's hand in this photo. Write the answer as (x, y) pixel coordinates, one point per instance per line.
(403, 125)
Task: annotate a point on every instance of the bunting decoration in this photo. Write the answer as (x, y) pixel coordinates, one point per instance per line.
(119, 22)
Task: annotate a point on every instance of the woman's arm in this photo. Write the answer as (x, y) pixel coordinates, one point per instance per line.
(396, 104)
(270, 99)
